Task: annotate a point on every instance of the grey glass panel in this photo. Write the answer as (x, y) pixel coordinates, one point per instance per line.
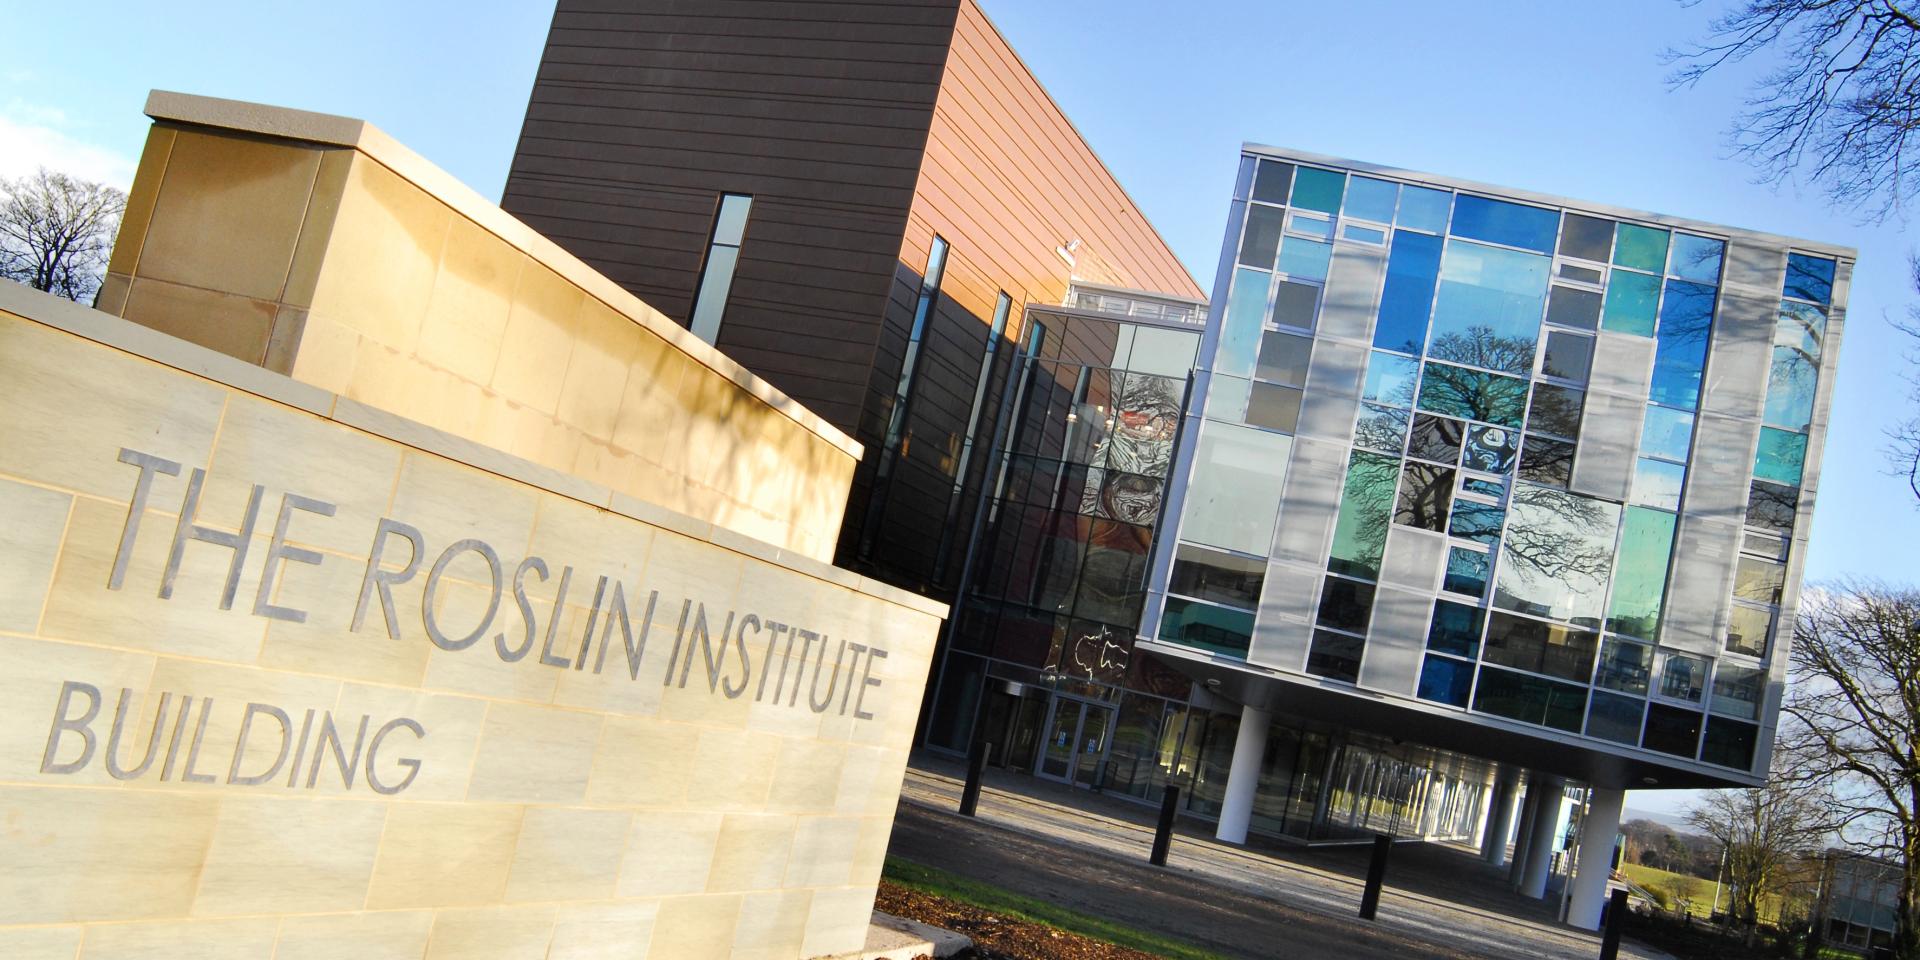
(1680, 354)
(1809, 278)
(710, 304)
(1246, 316)
(1220, 577)
(1426, 493)
(1424, 209)
(1668, 433)
(1370, 199)
(1609, 431)
(1696, 258)
(1467, 571)
(1227, 398)
(1535, 700)
(1413, 559)
(1490, 450)
(1625, 666)
(1672, 730)
(1743, 328)
(1366, 506)
(1702, 583)
(1345, 605)
(1574, 307)
(1353, 284)
(1473, 394)
(1747, 630)
(1487, 312)
(1235, 492)
(1283, 358)
(1616, 718)
(1588, 238)
(1657, 483)
(1274, 181)
(1436, 438)
(1334, 376)
(1753, 269)
(1479, 522)
(1730, 743)
(1274, 407)
(1539, 647)
(1305, 259)
(1381, 428)
(1555, 411)
(1260, 245)
(1546, 461)
(1311, 498)
(1162, 352)
(1390, 379)
(1580, 274)
(1335, 656)
(1393, 660)
(1569, 356)
(1557, 555)
(1759, 580)
(1640, 573)
(1739, 691)
(1683, 676)
(1289, 597)
(1456, 628)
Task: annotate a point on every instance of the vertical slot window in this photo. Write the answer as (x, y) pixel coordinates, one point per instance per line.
(716, 275)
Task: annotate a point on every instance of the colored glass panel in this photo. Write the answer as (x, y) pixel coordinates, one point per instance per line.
(1305, 259)
(1633, 299)
(1315, 189)
(1569, 356)
(1488, 309)
(1422, 208)
(1366, 508)
(1479, 522)
(1588, 238)
(1491, 450)
(1370, 199)
(1747, 630)
(1511, 224)
(1406, 301)
(1273, 181)
(1390, 379)
(1666, 433)
(1455, 628)
(1381, 428)
(1436, 438)
(1642, 248)
(1680, 350)
(1759, 580)
(1795, 372)
(1467, 572)
(1780, 457)
(1491, 488)
(1640, 573)
(1535, 700)
(1246, 316)
(1555, 410)
(1235, 493)
(1657, 483)
(1473, 394)
(1809, 278)
(1445, 680)
(1696, 258)
(1556, 554)
(1207, 627)
(1546, 461)
(1261, 243)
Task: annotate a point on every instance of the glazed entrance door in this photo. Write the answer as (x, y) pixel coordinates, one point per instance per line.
(1078, 734)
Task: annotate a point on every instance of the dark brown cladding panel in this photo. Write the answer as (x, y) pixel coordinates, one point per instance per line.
(645, 111)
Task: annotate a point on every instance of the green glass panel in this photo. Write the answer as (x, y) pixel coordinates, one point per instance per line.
(1366, 507)
(1642, 248)
(1318, 189)
(1632, 301)
(1473, 395)
(1640, 573)
(1246, 315)
(1780, 457)
(1207, 627)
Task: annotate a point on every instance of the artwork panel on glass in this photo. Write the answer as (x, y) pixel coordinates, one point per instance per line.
(1128, 497)
(1666, 433)
(1370, 199)
(1390, 379)
(1657, 483)
(1426, 493)
(1780, 457)
(1759, 580)
(1569, 356)
(1283, 358)
(1246, 318)
(1632, 304)
(1316, 189)
(1423, 208)
(1479, 522)
(1445, 680)
(1642, 248)
(1304, 259)
(1295, 304)
(1260, 245)
(1574, 307)
(1146, 415)
(1672, 730)
(1366, 510)
(1809, 278)
(1436, 438)
(1680, 351)
(1640, 572)
(1747, 629)
(1490, 450)
(1555, 410)
(1467, 572)
(1546, 461)
(1274, 407)
(1557, 555)
(1381, 428)
(1488, 308)
(1206, 627)
(1345, 604)
(1589, 238)
(1696, 258)
(1406, 299)
(1273, 182)
(1502, 222)
(1473, 394)
(1335, 656)
(1730, 743)
(1624, 666)
(1221, 577)
(1455, 628)
(1616, 718)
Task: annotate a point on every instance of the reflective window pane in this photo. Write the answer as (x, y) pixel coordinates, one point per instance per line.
(1360, 234)
(1632, 301)
(1435, 438)
(1640, 574)
(1366, 507)
(1235, 494)
(1381, 428)
(1683, 676)
(1556, 555)
(1771, 506)
(1666, 433)
(1220, 577)
(1273, 182)
(1445, 680)
(1473, 394)
(1569, 356)
(1479, 522)
(1759, 580)
(1535, 700)
(1696, 258)
(1261, 243)
(1335, 656)
(1729, 743)
(1809, 278)
(1588, 238)
(1283, 358)
(1624, 666)
(1422, 208)
(1487, 312)
(1390, 379)
(1512, 224)
(1413, 267)
(1796, 365)
(1747, 629)
(1316, 189)
(1294, 304)
(1346, 604)
(1467, 572)
(1491, 450)
(1491, 488)
(1537, 647)
(1738, 691)
(1370, 199)
(1274, 407)
(1206, 627)
(1642, 248)
(1305, 259)
(1680, 355)
(1672, 730)
(1657, 483)
(1546, 461)
(1426, 492)
(1574, 307)
(1312, 224)
(1780, 457)
(1246, 316)
(1616, 718)
(1555, 411)
(1580, 274)
(1455, 628)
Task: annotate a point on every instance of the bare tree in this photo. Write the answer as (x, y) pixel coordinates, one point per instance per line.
(56, 232)
(1839, 100)
(1765, 833)
(1853, 727)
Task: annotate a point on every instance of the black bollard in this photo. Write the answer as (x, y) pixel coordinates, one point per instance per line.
(1615, 919)
(976, 768)
(1163, 834)
(1376, 875)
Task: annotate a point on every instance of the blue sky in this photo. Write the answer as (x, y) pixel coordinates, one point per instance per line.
(1524, 94)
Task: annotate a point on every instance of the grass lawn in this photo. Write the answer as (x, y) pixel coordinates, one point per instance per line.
(1699, 891)
(991, 898)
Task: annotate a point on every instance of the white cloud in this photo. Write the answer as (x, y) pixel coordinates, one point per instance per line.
(32, 137)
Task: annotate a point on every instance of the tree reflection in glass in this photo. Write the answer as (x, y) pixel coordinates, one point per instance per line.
(1556, 555)
(1426, 493)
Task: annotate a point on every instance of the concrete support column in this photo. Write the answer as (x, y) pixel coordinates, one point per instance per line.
(1597, 833)
(1524, 832)
(1243, 777)
(1499, 825)
(1544, 797)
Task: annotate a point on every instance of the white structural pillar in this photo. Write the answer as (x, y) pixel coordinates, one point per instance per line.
(1598, 830)
(1243, 778)
(1544, 797)
(1493, 845)
(1524, 832)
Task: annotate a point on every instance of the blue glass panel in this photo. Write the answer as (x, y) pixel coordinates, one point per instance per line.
(1312, 224)
(1479, 522)
(1473, 395)
(1467, 571)
(1390, 379)
(1413, 265)
(1446, 681)
(1305, 259)
(1246, 315)
(1424, 209)
(1696, 258)
(1487, 312)
(1455, 628)
(1657, 483)
(1512, 224)
(1809, 278)
(1667, 433)
(1360, 234)
(1320, 190)
(1680, 352)
(1796, 365)
(1781, 456)
(1371, 199)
